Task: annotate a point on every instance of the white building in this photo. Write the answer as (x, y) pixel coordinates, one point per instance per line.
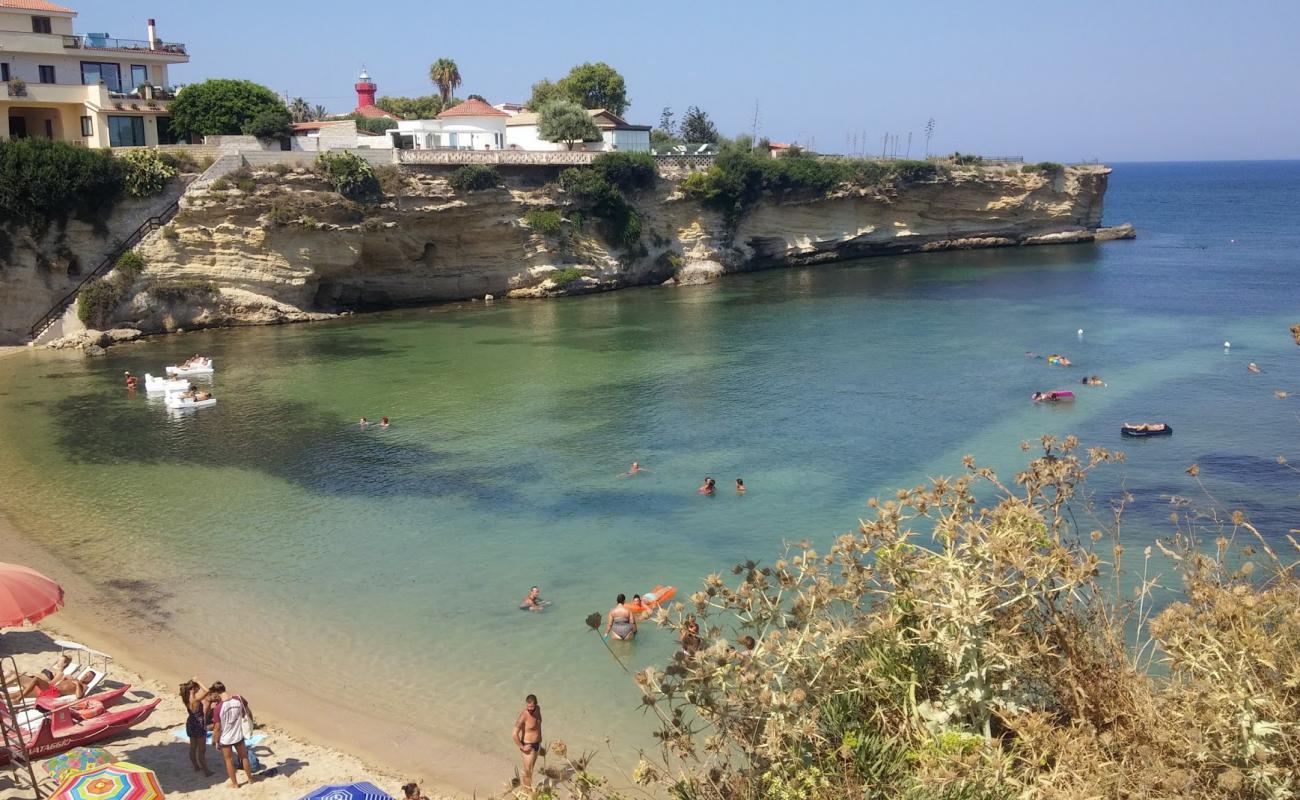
(470, 125)
(89, 89)
(615, 132)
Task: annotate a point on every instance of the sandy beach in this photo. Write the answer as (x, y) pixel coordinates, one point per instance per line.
(305, 737)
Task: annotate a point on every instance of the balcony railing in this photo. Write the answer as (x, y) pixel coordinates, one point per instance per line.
(92, 41)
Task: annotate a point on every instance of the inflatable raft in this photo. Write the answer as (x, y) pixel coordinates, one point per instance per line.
(653, 599)
(1147, 429)
(1058, 360)
(1052, 397)
(159, 384)
(201, 367)
(179, 402)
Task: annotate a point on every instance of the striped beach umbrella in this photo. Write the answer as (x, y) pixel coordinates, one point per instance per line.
(349, 791)
(120, 781)
(78, 759)
(26, 595)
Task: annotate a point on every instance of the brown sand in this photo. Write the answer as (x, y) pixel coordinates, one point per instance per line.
(313, 739)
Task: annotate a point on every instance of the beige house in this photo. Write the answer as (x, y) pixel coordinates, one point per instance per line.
(89, 89)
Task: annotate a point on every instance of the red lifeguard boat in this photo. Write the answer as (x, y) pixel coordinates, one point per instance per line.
(61, 723)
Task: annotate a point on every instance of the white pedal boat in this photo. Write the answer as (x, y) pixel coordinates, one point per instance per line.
(201, 367)
(159, 384)
(181, 403)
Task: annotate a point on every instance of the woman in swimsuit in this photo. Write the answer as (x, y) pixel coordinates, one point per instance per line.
(622, 623)
(195, 698)
(708, 487)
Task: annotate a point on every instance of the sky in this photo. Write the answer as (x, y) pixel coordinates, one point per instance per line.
(1138, 80)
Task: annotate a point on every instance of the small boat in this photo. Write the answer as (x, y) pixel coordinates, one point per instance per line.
(1052, 397)
(187, 401)
(62, 723)
(1147, 429)
(159, 384)
(202, 366)
(653, 599)
(1058, 360)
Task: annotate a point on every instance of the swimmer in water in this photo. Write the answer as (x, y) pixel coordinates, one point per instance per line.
(740, 486)
(383, 422)
(363, 423)
(534, 601)
(635, 469)
(1252, 367)
(709, 487)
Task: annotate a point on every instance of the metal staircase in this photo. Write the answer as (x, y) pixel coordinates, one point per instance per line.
(147, 227)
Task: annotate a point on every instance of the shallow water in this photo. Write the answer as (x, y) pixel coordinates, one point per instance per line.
(387, 564)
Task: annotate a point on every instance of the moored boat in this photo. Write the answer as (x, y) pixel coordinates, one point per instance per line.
(1141, 429)
(153, 383)
(63, 723)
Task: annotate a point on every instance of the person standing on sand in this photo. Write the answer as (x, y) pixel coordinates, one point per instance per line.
(197, 702)
(228, 731)
(528, 737)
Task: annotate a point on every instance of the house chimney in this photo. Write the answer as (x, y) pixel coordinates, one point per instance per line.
(153, 36)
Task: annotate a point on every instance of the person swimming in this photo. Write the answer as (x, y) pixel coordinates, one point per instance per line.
(534, 601)
(709, 487)
(635, 469)
(383, 422)
(363, 423)
(740, 486)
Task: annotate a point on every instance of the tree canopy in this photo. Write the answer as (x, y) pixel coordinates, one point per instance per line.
(221, 106)
(269, 124)
(589, 85)
(566, 121)
(373, 124)
(696, 127)
(446, 75)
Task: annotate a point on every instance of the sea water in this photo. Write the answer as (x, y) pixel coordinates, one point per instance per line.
(383, 568)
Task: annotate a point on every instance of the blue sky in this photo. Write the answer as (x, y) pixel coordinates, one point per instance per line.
(1117, 81)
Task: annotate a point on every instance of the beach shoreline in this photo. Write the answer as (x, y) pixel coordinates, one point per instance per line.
(344, 741)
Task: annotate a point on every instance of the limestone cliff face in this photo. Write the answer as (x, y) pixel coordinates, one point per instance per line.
(292, 249)
(39, 268)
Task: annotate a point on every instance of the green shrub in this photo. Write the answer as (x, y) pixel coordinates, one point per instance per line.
(145, 172)
(180, 161)
(44, 181)
(390, 179)
(96, 301)
(905, 172)
(308, 221)
(474, 177)
(576, 220)
(279, 169)
(628, 171)
(284, 211)
(270, 123)
(604, 200)
(181, 291)
(547, 223)
(967, 160)
(566, 276)
(129, 265)
(170, 232)
(219, 185)
(350, 175)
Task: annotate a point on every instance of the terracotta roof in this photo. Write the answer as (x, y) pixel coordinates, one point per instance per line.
(603, 119)
(472, 108)
(374, 112)
(318, 124)
(36, 5)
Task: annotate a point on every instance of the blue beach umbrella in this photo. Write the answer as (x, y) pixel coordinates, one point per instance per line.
(349, 791)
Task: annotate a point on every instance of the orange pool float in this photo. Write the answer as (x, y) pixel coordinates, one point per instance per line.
(653, 599)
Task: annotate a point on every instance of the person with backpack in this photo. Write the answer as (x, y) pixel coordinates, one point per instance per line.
(232, 723)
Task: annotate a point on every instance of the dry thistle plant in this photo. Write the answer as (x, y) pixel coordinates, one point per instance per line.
(954, 648)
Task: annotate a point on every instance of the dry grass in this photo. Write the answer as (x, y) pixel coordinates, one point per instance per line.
(955, 647)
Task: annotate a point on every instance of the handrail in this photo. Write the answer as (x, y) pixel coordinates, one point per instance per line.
(11, 732)
(148, 226)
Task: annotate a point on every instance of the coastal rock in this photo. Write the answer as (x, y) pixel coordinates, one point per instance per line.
(120, 335)
(293, 250)
(1125, 231)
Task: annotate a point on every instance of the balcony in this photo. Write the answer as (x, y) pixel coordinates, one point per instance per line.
(92, 41)
(145, 99)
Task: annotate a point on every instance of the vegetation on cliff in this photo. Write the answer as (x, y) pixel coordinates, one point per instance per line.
(973, 640)
(350, 175)
(98, 299)
(44, 181)
(474, 178)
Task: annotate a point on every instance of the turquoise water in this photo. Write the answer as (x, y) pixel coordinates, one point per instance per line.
(385, 566)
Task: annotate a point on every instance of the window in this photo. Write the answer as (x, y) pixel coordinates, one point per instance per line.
(4, 71)
(41, 25)
(87, 126)
(165, 131)
(49, 129)
(125, 131)
(139, 75)
(47, 73)
(92, 72)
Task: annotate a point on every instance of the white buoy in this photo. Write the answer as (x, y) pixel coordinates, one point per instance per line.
(1227, 344)
(1081, 333)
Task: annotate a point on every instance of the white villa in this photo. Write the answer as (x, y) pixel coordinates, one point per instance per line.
(471, 125)
(89, 89)
(615, 132)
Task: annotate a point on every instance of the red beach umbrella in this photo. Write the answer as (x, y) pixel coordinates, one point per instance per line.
(26, 595)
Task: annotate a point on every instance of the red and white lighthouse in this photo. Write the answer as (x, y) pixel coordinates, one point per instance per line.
(366, 89)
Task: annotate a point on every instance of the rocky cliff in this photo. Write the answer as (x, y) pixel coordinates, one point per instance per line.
(290, 248)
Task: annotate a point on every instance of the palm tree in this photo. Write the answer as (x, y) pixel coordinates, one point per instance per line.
(299, 111)
(446, 75)
(319, 113)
